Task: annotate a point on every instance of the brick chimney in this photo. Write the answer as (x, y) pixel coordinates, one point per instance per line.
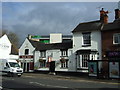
(103, 16)
(117, 13)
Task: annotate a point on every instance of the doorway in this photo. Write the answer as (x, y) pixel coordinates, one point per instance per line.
(52, 66)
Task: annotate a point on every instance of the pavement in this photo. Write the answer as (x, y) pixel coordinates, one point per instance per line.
(73, 77)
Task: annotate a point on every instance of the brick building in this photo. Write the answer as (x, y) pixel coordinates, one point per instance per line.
(111, 38)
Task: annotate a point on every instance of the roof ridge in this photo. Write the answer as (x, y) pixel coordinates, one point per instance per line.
(91, 22)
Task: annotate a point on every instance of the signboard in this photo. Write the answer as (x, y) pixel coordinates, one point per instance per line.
(24, 56)
(114, 70)
(45, 41)
(4, 46)
(36, 37)
(92, 67)
(113, 54)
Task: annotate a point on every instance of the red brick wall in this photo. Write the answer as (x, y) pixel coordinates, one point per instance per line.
(107, 41)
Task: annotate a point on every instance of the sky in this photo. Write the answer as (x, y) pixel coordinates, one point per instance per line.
(43, 18)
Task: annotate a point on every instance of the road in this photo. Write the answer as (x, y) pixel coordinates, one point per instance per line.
(31, 80)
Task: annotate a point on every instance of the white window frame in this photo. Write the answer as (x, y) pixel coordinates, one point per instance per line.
(42, 54)
(64, 52)
(65, 64)
(81, 60)
(88, 38)
(27, 50)
(116, 35)
(84, 62)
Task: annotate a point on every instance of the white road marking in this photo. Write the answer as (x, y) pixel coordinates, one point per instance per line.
(47, 85)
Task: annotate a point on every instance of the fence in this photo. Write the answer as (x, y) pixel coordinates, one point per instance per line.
(104, 68)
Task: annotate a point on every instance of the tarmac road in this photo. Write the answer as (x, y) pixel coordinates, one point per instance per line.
(46, 81)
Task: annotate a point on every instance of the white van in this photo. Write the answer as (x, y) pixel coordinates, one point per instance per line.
(11, 67)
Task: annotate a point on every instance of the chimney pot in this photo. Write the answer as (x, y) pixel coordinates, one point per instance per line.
(117, 13)
(103, 16)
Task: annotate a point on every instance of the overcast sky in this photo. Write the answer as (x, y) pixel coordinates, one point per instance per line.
(43, 18)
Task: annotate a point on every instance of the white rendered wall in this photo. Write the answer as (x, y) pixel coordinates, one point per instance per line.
(5, 47)
(54, 53)
(26, 45)
(77, 45)
(36, 60)
(95, 42)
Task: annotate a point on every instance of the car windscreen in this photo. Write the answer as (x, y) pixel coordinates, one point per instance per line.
(13, 64)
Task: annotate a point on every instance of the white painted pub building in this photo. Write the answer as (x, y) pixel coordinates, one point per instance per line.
(36, 55)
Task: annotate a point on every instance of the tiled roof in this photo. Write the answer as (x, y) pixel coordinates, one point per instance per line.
(112, 26)
(88, 26)
(97, 25)
(42, 46)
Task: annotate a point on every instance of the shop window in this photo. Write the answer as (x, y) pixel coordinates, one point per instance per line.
(86, 39)
(82, 60)
(64, 52)
(116, 38)
(85, 58)
(64, 64)
(26, 51)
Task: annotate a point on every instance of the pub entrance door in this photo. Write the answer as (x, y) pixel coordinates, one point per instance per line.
(52, 66)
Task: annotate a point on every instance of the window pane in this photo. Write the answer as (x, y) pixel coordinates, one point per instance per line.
(26, 51)
(87, 38)
(64, 53)
(64, 64)
(85, 58)
(43, 54)
(116, 38)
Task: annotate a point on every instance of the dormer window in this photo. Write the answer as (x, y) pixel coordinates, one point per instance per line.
(26, 51)
(86, 38)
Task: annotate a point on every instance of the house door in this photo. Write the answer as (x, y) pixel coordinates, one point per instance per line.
(52, 66)
(31, 65)
(26, 67)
